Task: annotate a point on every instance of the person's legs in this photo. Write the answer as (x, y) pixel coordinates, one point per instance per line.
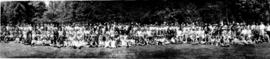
(268, 33)
(62, 40)
(54, 40)
(28, 40)
(268, 36)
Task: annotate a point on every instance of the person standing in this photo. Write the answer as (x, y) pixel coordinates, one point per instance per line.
(55, 37)
(33, 37)
(29, 37)
(61, 38)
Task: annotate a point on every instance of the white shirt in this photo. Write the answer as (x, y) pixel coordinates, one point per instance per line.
(262, 27)
(268, 28)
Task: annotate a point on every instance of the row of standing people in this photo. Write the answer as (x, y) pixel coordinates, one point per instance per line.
(116, 35)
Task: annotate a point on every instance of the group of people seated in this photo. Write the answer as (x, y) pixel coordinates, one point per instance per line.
(112, 35)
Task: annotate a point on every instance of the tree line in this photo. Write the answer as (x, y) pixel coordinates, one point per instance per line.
(146, 12)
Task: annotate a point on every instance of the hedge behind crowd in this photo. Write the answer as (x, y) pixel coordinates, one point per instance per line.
(145, 12)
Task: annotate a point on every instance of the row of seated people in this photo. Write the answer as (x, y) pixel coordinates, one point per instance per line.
(115, 35)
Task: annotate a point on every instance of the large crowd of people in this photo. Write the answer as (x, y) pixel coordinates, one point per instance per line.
(112, 35)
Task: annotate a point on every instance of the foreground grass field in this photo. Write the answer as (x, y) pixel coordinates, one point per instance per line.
(261, 51)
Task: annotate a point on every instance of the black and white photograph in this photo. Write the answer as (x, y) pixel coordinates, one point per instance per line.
(135, 29)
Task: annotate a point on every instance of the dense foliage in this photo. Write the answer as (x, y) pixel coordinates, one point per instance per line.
(186, 11)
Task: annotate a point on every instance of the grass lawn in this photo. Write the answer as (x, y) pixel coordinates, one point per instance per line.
(260, 51)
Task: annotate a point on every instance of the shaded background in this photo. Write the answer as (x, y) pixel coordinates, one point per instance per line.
(140, 11)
